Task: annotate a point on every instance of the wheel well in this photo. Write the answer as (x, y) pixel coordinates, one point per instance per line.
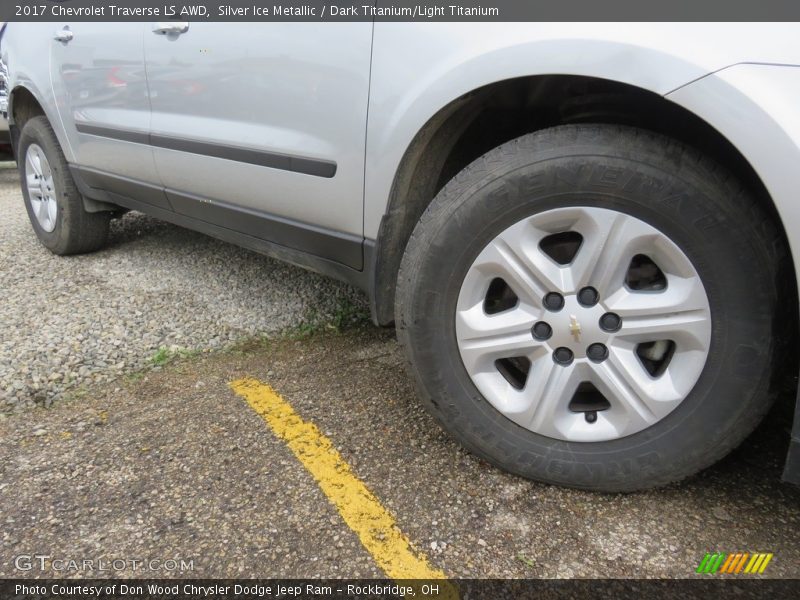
(490, 116)
(22, 107)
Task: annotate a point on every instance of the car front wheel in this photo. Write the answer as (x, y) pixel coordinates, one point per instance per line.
(593, 306)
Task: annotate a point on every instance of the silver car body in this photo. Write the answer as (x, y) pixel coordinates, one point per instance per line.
(4, 135)
(302, 89)
(293, 135)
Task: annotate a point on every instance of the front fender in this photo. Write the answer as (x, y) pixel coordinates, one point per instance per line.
(418, 69)
(26, 54)
(755, 107)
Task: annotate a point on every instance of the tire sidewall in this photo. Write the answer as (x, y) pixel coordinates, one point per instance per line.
(637, 180)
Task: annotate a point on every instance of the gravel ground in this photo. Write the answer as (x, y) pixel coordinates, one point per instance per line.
(71, 320)
(172, 464)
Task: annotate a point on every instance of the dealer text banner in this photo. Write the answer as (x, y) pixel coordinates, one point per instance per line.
(400, 10)
(374, 589)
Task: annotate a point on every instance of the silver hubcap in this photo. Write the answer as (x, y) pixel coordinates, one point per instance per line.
(583, 376)
(41, 190)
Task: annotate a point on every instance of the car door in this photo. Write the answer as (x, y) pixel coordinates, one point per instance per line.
(260, 128)
(100, 90)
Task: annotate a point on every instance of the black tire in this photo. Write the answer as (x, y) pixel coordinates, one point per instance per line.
(76, 231)
(730, 240)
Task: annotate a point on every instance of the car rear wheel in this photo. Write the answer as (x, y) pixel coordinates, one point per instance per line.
(55, 207)
(593, 306)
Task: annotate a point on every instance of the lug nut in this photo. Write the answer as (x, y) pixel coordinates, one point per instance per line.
(554, 301)
(597, 352)
(610, 322)
(588, 296)
(542, 331)
(562, 356)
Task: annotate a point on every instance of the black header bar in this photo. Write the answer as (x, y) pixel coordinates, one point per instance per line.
(62, 11)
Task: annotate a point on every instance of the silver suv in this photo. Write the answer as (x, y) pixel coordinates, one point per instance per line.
(585, 235)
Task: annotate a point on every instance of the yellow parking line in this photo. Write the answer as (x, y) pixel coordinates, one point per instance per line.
(358, 506)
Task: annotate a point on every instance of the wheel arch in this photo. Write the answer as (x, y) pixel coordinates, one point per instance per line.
(486, 117)
(24, 103)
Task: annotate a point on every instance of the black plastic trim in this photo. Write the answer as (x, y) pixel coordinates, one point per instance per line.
(123, 186)
(341, 247)
(125, 135)
(332, 253)
(273, 160)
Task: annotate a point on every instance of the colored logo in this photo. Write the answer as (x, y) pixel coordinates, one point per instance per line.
(575, 328)
(734, 563)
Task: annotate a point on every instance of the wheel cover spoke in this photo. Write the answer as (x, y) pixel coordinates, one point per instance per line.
(486, 338)
(622, 383)
(504, 258)
(680, 311)
(548, 396)
(653, 359)
(610, 240)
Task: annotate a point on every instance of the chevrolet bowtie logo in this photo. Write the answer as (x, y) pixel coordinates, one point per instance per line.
(575, 328)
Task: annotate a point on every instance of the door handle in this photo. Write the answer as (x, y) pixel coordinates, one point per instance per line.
(63, 35)
(171, 27)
